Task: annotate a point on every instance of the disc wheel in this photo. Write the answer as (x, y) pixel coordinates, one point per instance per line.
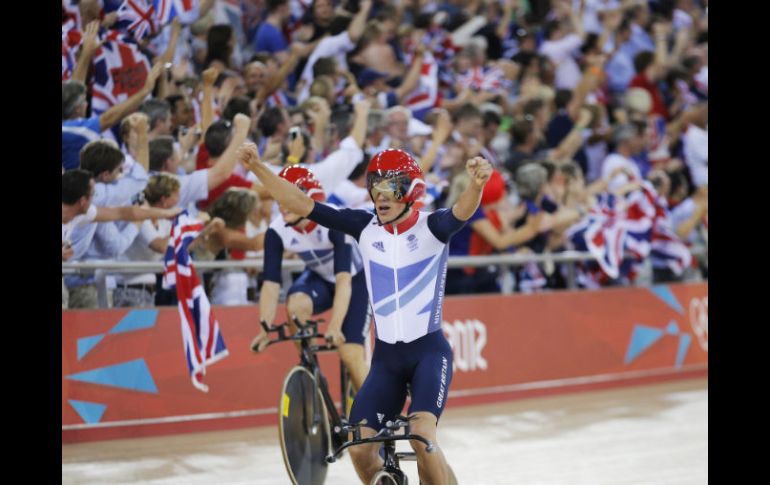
(304, 445)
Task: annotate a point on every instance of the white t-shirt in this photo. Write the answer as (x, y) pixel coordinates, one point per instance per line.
(79, 220)
(338, 165)
(696, 154)
(351, 196)
(680, 214)
(613, 161)
(193, 187)
(560, 53)
(140, 251)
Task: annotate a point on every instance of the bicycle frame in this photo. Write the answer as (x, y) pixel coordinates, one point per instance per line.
(309, 360)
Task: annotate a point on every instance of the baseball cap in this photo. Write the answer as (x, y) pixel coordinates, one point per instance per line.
(368, 76)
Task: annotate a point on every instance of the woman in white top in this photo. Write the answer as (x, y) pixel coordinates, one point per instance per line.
(133, 290)
(235, 207)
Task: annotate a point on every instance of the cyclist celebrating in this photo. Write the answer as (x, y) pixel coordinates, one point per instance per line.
(333, 277)
(405, 254)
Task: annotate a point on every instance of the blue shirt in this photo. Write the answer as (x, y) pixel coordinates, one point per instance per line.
(75, 134)
(620, 69)
(269, 39)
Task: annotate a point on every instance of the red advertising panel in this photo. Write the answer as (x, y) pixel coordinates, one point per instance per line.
(124, 373)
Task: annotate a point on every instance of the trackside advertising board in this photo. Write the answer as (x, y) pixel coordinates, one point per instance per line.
(124, 373)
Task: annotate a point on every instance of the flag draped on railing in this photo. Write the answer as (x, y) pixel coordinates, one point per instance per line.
(203, 342)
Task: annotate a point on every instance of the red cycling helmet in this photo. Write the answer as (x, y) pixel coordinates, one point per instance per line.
(403, 172)
(305, 180)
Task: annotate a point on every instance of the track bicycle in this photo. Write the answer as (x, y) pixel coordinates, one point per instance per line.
(307, 413)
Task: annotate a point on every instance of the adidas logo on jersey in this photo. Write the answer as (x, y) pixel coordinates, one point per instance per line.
(378, 245)
(379, 417)
(293, 241)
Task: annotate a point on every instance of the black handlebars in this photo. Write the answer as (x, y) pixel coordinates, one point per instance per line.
(306, 331)
(386, 434)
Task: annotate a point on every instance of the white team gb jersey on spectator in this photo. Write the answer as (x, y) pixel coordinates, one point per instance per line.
(315, 249)
(405, 276)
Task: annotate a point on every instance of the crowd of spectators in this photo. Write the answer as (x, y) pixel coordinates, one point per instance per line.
(594, 114)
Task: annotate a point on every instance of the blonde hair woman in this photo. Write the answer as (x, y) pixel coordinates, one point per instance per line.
(235, 207)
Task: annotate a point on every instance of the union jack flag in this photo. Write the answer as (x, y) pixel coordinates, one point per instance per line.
(489, 79)
(138, 18)
(188, 11)
(602, 233)
(426, 96)
(120, 70)
(622, 232)
(667, 249)
(203, 342)
(67, 62)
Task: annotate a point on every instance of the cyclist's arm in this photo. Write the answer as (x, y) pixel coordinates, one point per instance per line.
(443, 224)
(349, 221)
(271, 288)
(342, 276)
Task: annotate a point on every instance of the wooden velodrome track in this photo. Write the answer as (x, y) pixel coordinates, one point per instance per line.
(649, 434)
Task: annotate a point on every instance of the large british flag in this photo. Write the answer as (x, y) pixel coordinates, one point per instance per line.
(482, 78)
(426, 96)
(137, 17)
(622, 231)
(203, 342)
(602, 233)
(120, 70)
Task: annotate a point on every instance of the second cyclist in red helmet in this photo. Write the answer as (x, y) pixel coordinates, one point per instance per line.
(404, 255)
(333, 277)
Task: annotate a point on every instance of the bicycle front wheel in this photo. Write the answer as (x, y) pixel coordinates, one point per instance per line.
(384, 478)
(304, 434)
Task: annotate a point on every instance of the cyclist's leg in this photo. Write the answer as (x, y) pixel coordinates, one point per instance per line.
(430, 386)
(381, 398)
(354, 327)
(307, 296)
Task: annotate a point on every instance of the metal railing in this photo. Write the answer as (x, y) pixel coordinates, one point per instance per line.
(101, 269)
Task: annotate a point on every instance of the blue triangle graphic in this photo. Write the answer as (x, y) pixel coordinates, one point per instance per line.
(641, 339)
(133, 375)
(383, 285)
(672, 328)
(90, 412)
(407, 274)
(85, 344)
(136, 320)
(664, 293)
(684, 345)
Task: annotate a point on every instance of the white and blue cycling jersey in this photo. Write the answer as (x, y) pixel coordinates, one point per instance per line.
(315, 247)
(405, 266)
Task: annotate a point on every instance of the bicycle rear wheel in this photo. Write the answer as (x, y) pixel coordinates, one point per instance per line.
(303, 445)
(384, 478)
